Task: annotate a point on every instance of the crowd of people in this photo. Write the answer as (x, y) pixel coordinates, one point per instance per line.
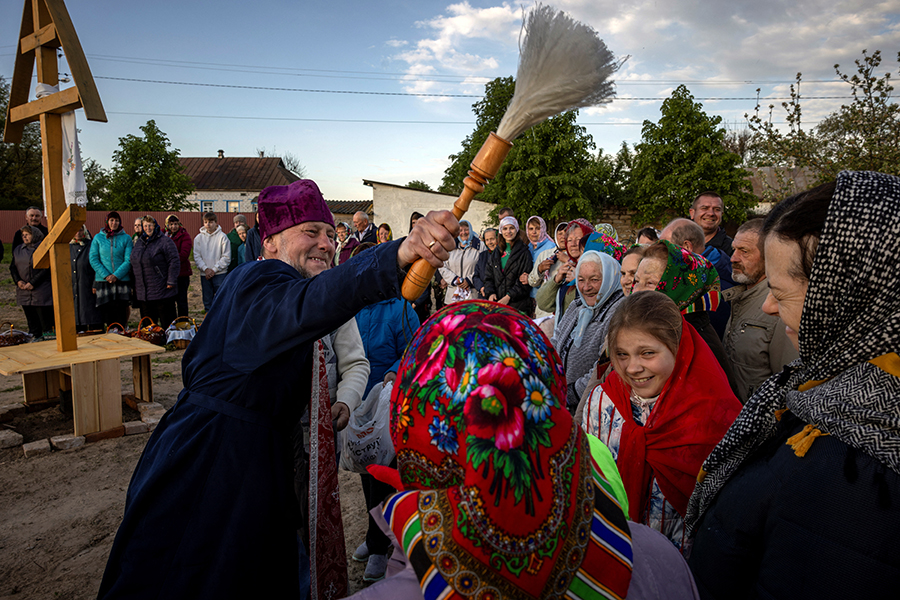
(676, 414)
(114, 273)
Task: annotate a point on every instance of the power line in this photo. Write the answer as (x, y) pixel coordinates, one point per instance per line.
(281, 89)
(385, 121)
(421, 95)
(405, 76)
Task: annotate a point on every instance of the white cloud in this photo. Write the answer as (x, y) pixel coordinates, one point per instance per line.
(464, 40)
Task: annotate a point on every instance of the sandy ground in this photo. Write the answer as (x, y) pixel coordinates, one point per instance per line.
(59, 512)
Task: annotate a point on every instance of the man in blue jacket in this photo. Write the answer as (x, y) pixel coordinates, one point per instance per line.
(211, 511)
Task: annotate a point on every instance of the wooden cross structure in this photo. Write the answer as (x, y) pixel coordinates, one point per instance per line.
(46, 26)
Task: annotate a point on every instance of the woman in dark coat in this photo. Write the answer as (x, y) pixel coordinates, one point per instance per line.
(87, 316)
(508, 261)
(34, 292)
(801, 499)
(156, 265)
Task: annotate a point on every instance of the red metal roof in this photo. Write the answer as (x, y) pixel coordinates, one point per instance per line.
(236, 174)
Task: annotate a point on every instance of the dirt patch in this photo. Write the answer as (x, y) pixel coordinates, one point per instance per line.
(59, 512)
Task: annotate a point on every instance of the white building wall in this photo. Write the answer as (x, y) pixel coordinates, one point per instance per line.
(393, 205)
(220, 200)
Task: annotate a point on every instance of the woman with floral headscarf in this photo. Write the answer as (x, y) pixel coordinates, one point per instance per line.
(801, 499)
(692, 283)
(581, 331)
(503, 496)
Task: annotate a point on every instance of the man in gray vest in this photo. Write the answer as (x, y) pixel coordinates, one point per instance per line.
(755, 342)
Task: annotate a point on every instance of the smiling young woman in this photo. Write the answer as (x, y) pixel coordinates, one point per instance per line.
(664, 408)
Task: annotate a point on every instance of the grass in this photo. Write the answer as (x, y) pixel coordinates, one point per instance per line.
(14, 388)
(169, 359)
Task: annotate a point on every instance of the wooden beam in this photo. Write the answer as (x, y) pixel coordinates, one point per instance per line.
(21, 80)
(63, 230)
(63, 301)
(81, 72)
(45, 36)
(61, 102)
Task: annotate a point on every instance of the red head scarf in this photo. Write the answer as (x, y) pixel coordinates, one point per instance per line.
(691, 415)
(510, 505)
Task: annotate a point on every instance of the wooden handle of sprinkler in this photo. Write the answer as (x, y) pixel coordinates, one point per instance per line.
(484, 168)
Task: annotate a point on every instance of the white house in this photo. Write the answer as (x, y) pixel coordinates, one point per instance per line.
(233, 184)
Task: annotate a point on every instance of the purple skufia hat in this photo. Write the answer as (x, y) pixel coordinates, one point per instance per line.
(283, 206)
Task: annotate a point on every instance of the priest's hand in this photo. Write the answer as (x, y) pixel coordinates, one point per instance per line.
(433, 237)
(340, 414)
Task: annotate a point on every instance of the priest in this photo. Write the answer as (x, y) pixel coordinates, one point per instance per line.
(211, 511)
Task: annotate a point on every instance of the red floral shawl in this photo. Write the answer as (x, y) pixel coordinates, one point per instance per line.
(691, 416)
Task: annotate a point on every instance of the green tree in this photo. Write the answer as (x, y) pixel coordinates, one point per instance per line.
(417, 184)
(20, 164)
(551, 170)
(683, 155)
(488, 112)
(146, 175)
(862, 135)
(96, 178)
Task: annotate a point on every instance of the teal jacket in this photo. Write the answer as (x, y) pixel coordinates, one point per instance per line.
(111, 255)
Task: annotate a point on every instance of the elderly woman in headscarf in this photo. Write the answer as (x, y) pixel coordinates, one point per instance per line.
(345, 243)
(459, 268)
(33, 288)
(801, 499)
(502, 495)
(87, 316)
(557, 293)
(581, 332)
(542, 247)
(692, 282)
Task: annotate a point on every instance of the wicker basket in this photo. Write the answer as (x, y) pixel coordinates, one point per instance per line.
(13, 337)
(181, 332)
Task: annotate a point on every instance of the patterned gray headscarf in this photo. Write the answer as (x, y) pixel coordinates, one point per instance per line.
(851, 315)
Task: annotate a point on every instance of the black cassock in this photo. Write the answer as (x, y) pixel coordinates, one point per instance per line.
(211, 511)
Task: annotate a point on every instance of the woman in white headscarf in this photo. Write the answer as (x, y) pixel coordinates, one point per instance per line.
(581, 332)
(460, 266)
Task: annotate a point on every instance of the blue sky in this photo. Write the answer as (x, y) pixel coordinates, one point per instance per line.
(394, 48)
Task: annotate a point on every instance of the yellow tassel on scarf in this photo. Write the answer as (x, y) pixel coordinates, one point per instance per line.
(802, 442)
(701, 475)
(780, 412)
(799, 436)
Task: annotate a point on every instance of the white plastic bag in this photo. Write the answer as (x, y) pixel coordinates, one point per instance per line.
(366, 440)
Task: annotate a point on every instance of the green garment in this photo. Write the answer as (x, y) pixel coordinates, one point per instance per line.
(604, 459)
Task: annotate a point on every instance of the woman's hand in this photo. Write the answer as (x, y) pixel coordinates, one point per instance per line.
(523, 278)
(493, 298)
(545, 265)
(562, 272)
(20, 285)
(570, 274)
(504, 299)
(111, 279)
(463, 284)
(28, 286)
